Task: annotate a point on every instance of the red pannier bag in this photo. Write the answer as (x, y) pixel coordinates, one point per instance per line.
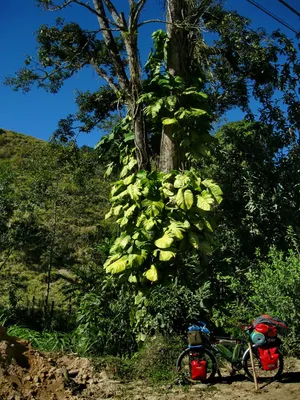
(269, 357)
(198, 369)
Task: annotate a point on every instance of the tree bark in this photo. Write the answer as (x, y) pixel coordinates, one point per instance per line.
(171, 155)
(136, 111)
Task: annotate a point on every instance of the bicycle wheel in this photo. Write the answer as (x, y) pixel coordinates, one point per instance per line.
(184, 361)
(261, 374)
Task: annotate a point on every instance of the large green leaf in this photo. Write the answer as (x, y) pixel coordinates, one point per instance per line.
(132, 163)
(135, 260)
(134, 192)
(208, 225)
(153, 208)
(118, 266)
(164, 242)
(123, 221)
(207, 196)
(166, 255)
(169, 121)
(111, 259)
(151, 274)
(117, 188)
(124, 241)
(180, 199)
(202, 203)
(130, 211)
(214, 188)
(108, 215)
(188, 198)
(181, 181)
(149, 224)
(116, 210)
(119, 196)
(124, 171)
(129, 179)
(177, 229)
(132, 278)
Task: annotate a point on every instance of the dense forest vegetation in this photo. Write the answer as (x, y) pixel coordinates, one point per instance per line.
(199, 224)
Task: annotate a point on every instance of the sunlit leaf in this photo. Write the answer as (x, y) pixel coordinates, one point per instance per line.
(166, 255)
(202, 203)
(118, 266)
(130, 211)
(149, 224)
(134, 192)
(169, 121)
(164, 242)
(181, 181)
(124, 242)
(188, 198)
(151, 274)
(180, 199)
(129, 179)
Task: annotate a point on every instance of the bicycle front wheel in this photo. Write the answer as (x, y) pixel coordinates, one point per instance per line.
(183, 365)
(261, 374)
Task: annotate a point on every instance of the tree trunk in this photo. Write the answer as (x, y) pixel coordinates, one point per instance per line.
(135, 109)
(171, 156)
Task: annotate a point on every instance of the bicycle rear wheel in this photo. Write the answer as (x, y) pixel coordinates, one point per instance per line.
(184, 361)
(261, 374)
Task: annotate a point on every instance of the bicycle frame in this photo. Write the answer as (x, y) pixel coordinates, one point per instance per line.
(211, 343)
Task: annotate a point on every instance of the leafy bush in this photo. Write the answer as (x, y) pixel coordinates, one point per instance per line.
(272, 287)
(156, 359)
(169, 309)
(275, 290)
(104, 324)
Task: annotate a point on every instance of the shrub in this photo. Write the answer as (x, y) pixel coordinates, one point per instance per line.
(271, 287)
(275, 290)
(156, 359)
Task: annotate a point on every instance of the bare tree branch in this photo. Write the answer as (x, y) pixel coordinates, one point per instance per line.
(53, 7)
(92, 10)
(103, 74)
(150, 21)
(113, 11)
(140, 5)
(111, 45)
(83, 4)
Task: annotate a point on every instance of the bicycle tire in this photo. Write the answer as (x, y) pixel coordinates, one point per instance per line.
(262, 375)
(183, 364)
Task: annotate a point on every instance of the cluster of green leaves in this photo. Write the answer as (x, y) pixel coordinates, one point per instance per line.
(159, 215)
(117, 148)
(171, 100)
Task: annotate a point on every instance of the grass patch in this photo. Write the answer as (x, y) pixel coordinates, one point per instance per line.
(44, 341)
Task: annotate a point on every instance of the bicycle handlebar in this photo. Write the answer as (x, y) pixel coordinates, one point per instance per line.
(203, 328)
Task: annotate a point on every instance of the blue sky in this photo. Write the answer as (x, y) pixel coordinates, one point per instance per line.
(37, 112)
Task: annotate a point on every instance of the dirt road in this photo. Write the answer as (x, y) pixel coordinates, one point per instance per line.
(27, 374)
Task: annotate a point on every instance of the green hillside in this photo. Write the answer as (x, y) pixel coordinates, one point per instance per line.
(16, 146)
(52, 205)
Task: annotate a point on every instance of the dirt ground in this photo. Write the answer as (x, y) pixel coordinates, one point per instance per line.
(27, 374)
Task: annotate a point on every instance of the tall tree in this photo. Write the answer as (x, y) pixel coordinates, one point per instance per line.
(189, 84)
